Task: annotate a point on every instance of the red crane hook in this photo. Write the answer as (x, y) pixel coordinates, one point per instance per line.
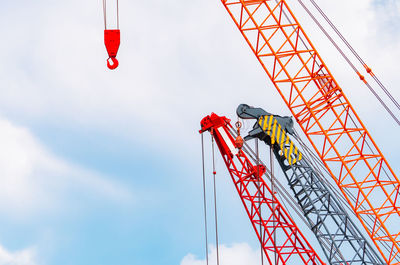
(112, 42)
(112, 63)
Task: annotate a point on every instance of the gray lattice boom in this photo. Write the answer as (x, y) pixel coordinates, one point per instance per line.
(338, 236)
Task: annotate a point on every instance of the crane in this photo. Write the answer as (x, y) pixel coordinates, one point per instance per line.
(262, 206)
(339, 237)
(325, 115)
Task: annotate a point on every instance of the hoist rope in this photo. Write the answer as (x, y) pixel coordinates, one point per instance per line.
(348, 61)
(363, 64)
(286, 198)
(215, 201)
(204, 196)
(341, 101)
(318, 165)
(105, 13)
(271, 162)
(355, 53)
(117, 14)
(260, 202)
(280, 188)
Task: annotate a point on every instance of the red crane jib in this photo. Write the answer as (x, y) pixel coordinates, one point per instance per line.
(276, 231)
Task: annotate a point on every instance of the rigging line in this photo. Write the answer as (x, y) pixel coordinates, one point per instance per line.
(117, 14)
(281, 191)
(347, 60)
(252, 156)
(293, 27)
(204, 196)
(355, 53)
(307, 48)
(354, 123)
(105, 13)
(285, 196)
(324, 242)
(332, 188)
(215, 201)
(271, 162)
(317, 164)
(383, 103)
(260, 202)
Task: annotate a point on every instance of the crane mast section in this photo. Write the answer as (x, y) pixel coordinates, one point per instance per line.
(278, 233)
(325, 115)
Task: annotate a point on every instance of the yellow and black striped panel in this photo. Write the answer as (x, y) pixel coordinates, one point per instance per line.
(272, 128)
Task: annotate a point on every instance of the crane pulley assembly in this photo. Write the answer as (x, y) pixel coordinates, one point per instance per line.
(112, 36)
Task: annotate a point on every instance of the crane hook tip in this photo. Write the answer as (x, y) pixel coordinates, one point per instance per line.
(112, 63)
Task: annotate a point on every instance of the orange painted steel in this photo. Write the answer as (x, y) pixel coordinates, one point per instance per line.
(325, 115)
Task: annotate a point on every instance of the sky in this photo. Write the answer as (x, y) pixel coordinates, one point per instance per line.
(104, 167)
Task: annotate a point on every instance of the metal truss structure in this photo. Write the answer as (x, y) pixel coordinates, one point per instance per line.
(278, 234)
(338, 236)
(325, 115)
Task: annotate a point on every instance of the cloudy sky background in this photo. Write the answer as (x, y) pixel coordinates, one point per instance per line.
(104, 167)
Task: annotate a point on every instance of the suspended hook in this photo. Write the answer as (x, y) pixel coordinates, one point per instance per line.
(114, 63)
(239, 139)
(112, 42)
(238, 125)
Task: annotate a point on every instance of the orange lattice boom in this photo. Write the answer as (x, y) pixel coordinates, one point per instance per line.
(325, 115)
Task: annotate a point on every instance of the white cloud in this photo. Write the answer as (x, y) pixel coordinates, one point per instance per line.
(236, 254)
(34, 179)
(178, 62)
(22, 257)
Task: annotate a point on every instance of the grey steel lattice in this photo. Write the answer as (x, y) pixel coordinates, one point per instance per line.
(338, 236)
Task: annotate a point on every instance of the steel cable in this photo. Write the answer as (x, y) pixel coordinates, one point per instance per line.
(355, 53)
(348, 61)
(204, 196)
(117, 14)
(315, 161)
(215, 201)
(260, 200)
(283, 194)
(105, 13)
(341, 101)
(281, 191)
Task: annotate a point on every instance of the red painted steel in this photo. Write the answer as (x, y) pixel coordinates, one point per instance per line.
(325, 115)
(261, 205)
(112, 42)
